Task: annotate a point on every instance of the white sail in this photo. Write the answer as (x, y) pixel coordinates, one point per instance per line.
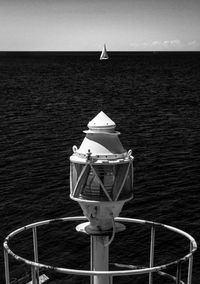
(104, 54)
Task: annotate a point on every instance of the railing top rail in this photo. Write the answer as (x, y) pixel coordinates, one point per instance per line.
(89, 272)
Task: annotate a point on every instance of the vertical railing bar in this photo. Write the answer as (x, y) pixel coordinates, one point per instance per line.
(71, 174)
(6, 263)
(190, 264)
(35, 245)
(33, 275)
(151, 262)
(91, 259)
(35, 248)
(132, 172)
(178, 273)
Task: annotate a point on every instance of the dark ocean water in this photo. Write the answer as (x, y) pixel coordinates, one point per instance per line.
(46, 102)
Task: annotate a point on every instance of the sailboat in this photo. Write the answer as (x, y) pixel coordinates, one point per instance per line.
(104, 54)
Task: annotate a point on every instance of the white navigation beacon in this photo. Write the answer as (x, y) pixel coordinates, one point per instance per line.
(101, 176)
(101, 181)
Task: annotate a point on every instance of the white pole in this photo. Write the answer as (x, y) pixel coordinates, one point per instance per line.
(99, 259)
(151, 264)
(6, 262)
(35, 247)
(189, 280)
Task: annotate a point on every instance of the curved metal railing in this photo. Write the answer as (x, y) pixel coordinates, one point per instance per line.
(36, 266)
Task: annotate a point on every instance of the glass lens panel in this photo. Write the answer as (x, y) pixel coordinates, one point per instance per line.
(111, 176)
(75, 171)
(93, 189)
(121, 170)
(127, 189)
(83, 177)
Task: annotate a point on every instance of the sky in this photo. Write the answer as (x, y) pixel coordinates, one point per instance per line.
(85, 25)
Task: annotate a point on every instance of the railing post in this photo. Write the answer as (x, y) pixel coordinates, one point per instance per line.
(178, 273)
(190, 264)
(151, 262)
(6, 263)
(33, 275)
(35, 248)
(91, 259)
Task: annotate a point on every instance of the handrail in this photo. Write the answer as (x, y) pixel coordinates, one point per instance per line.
(143, 270)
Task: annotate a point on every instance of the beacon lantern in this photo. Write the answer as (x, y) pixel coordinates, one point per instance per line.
(101, 175)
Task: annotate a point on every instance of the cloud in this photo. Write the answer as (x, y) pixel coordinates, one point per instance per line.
(193, 43)
(173, 43)
(156, 43)
(166, 43)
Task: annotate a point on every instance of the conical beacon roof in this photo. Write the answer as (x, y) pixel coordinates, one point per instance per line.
(101, 120)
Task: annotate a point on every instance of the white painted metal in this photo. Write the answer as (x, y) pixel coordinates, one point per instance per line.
(190, 264)
(92, 273)
(100, 122)
(6, 263)
(35, 249)
(100, 256)
(178, 273)
(100, 214)
(83, 227)
(106, 176)
(33, 275)
(151, 263)
(102, 141)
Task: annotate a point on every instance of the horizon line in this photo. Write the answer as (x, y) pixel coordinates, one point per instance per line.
(98, 51)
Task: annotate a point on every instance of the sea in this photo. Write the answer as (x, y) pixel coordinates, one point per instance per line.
(46, 101)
